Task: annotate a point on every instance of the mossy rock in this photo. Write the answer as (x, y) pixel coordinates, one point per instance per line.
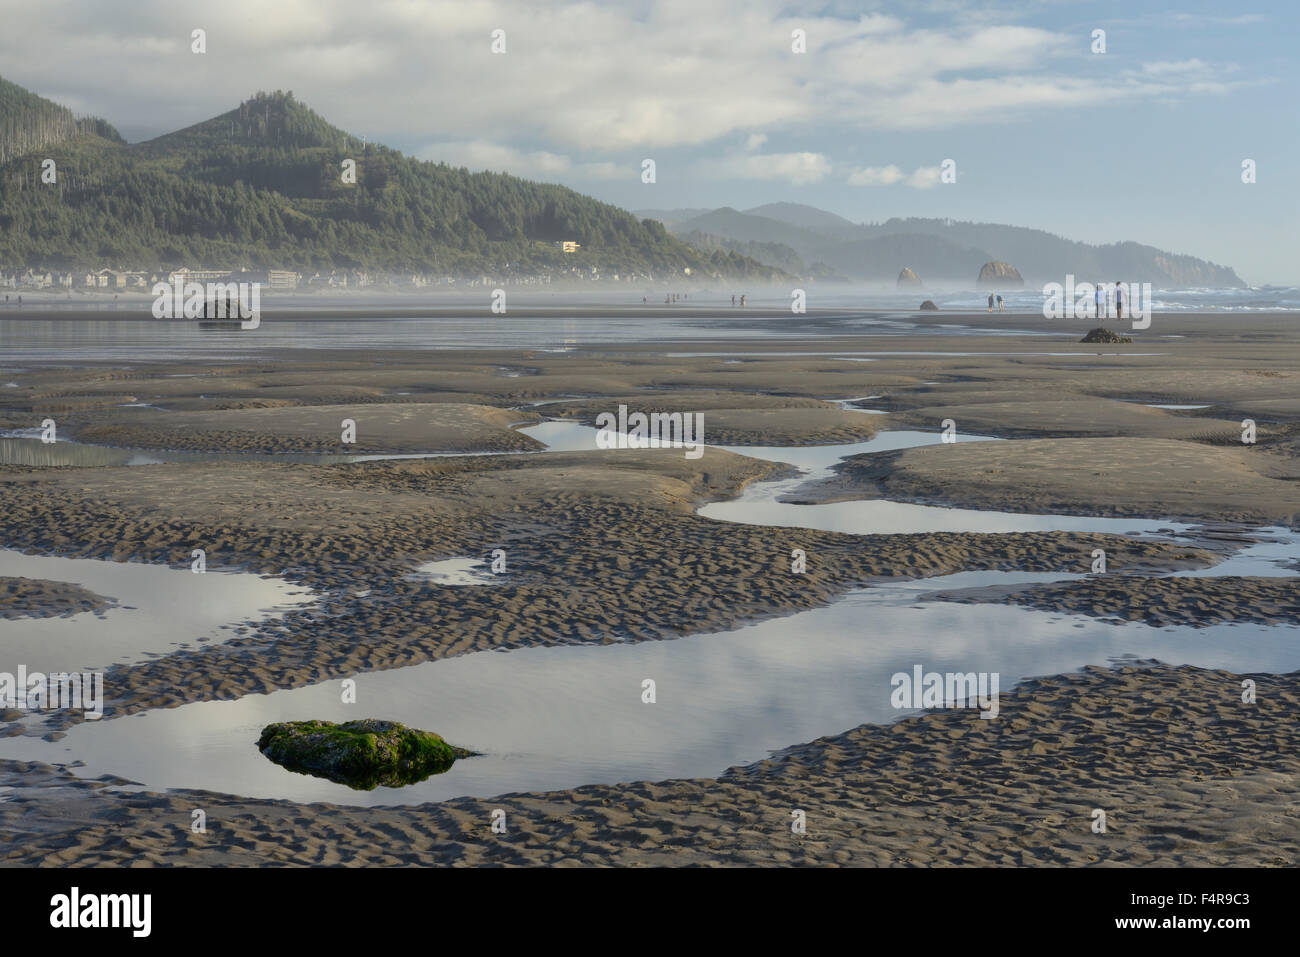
(1102, 334)
(362, 754)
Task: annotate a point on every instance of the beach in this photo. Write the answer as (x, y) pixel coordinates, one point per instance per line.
(1134, 451)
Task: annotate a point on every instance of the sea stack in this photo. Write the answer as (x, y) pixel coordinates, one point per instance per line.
(999, 274)
(908, 278)
(1102, 334)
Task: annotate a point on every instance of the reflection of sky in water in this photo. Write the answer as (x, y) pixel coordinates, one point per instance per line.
(549, 718)
(128, 341)
(560, 717)
(456, 571)
(160, 609)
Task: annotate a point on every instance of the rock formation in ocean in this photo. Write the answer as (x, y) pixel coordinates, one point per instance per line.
(1000, 274)
(908, 278)
(362, 754)
(929, 306)
(1102, 334)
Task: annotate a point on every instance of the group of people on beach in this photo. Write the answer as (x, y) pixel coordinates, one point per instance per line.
(1101, 300)
(673, 297)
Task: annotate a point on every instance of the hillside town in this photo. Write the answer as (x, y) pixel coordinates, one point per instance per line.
(107, 280)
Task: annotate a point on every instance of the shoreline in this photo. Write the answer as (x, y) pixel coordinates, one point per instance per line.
(940, 788)
(354, 531)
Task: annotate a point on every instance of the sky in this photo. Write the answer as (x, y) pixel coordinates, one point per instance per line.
(1144, 141)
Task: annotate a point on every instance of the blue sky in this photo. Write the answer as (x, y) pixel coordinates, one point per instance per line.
(1142, 142)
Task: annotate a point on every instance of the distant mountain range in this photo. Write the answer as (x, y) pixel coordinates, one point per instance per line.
(263, 186)
(814, 243)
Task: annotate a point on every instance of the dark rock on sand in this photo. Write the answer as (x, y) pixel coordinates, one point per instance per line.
(929, 306)
(1000, 274)
(362, 754)
(1102, 334)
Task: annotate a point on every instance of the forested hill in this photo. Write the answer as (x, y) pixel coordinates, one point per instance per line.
(29, 122)
(264, 186)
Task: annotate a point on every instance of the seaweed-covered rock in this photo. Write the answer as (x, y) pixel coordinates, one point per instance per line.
(1102, 334)
(929, 306)
(362, 754)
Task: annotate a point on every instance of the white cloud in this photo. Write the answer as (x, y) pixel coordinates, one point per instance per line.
(1175, 66)
(876, 176)
(580, 79)
(798, 169)
(530, 164)
(923, 177)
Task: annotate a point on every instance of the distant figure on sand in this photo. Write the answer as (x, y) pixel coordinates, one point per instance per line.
(1000, 304)
(990, 302)
(1099, 297)
(742, 302)
(733, 301)
(1119, 301)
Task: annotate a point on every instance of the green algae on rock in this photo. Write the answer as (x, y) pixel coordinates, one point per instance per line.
(362, 754)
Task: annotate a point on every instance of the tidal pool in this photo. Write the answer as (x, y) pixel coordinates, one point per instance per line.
(159, 610)
(559, 717)
(547, 718)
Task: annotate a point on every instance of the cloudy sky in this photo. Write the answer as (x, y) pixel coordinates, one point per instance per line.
(1144, 141)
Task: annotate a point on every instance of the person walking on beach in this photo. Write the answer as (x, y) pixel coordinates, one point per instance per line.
(733, 301)
(990, 302)
(1099, 297)
(742, 302)
(1000, 309)
(1119, 301)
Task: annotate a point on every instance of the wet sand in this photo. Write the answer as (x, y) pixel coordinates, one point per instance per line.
(35, 598)
(606, 546)
(1160, 602)
(1185, 771)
